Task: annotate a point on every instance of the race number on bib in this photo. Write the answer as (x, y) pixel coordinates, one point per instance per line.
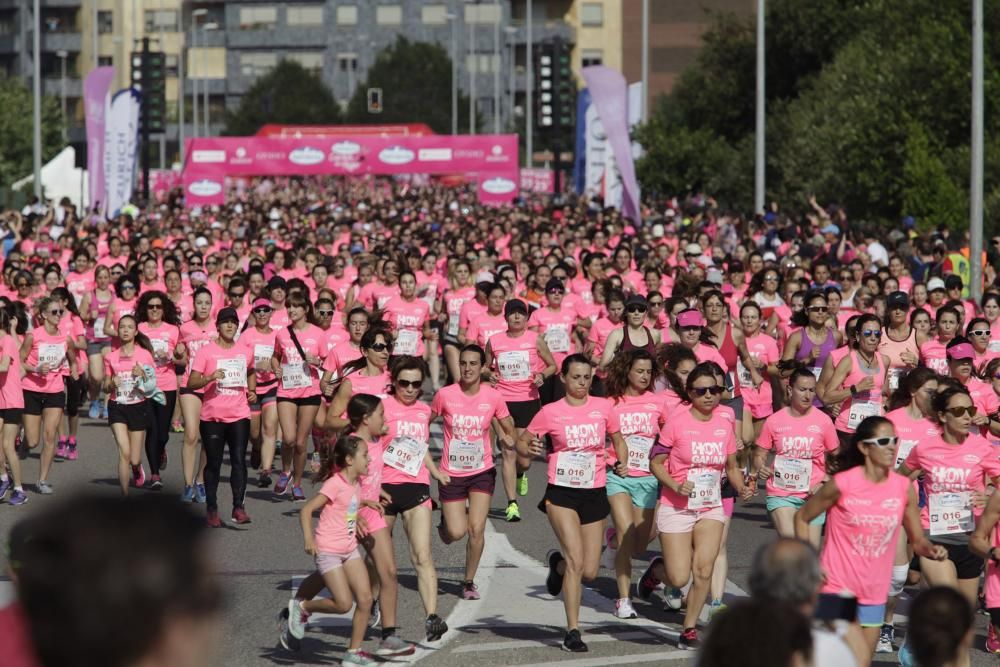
(51, 354)
(557, 338)
(405, 454)
(792, 474)
(514, 366)
(894, 376)
(99, 326)
(262, 355)
(453, 325)
(638, 452)
(707, 492)
(236, 373)
(127, 392)
(406, 342)
(743, 374)
(950, 513)
(466, 456)
(160, 347)
(576, 469)
(994, 346)
(905, 447)
(294, 376)
(860, 411)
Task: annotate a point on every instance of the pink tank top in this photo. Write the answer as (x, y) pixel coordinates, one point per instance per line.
(865, 403)
(95, 329)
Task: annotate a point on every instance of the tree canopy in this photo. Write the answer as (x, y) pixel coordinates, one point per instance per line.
(868, 105)
(289, 93)
(16, 129)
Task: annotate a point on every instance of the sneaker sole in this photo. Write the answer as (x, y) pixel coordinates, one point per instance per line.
(574, 650)
(395, 654)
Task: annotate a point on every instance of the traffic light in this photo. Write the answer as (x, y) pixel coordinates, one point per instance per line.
(149, 77)
(374, 100)
(555, 88)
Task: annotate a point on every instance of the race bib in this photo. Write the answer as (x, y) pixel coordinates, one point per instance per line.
(236, 373)
(638, 452)
(743, 374)
(51, 354)
(406, 454)
(861, 410)
(950, 513)
(576, 469)
(894, 376)
(707, 492)
(792, 474)
(557, 338)
(159, 347)
(514, 366)
(99, 326)
(994, 346)
(351, 516)
(905, 447)
(294, 376)
(262, 355)
(406, 342)
(453, 325)
(127, 392)
(466, 456)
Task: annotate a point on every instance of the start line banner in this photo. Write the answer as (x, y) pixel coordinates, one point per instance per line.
(491, 160)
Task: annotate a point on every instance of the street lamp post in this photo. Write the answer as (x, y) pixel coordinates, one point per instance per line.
(496, 66)
(181, 134)
(196, 15)
(976, 167)
(645, 61)
(62, 90)
(36, 88)
(511, 31)
(758, 176)
(453, 18)
(204, 70)
(473, 71)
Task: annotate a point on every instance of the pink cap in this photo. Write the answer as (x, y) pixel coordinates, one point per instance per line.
(690, 318)
(962, 351)
(261, 301)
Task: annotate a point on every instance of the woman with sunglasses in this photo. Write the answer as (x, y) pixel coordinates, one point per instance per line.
(76, 389)
(635, 335)
(858, 381)
(11, 406)
(899, 340)
(694, 448)
(128, 413)
(556, 323)
(126, 299)
(194, 335)
(866, 503)
(961, 367)
(264, 411)
(298, 356)
(367, 374)
(814, 340)
(24, 288)
(94, 310)
(575, 500)
(159, 322)
(47, 356)
(460, 290)
(758, 363)
(334, 335)
(469, 411)
(978, 332)
(932, 349)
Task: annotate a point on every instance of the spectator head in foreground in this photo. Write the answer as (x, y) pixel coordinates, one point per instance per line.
(787, 570)
(116, 582)
(941, 627)
(758, 633)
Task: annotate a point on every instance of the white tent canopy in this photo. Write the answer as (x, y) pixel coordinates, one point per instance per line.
(61, 178)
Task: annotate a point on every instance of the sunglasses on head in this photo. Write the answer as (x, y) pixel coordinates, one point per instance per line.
(961, 410)
(889, 441)
(701, 391)
(380, 347)
(635, 309)
(409, 384)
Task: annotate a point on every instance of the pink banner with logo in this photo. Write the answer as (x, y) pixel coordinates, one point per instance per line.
(492, 160)
(95, 93)
(538, 180)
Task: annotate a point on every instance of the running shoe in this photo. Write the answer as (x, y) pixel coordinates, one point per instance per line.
(240, 516)
(435, 627)
(392, 646)
(469, 591)
(689, 641)
(5, 486)
(61, 448)
(608, 557)
(624, 609)
(176, 426)
(376, 616)
(44, 488)
(264, 480)
(522, 484)
(358, 657)
(163, 460)
(95, 410)
(573, 643)
(212, 519)
(282, 485)
(992, 643)
(648, 582)
(905, 656)
(297, 619)
(285, 638)
(155, 483)
(71, 451)
(188, 495)
(138, 476)
(554, 582)
(199, 493)
(19, 497)
(715, 608)
(298, 495)
(513, 512)
(888, 633)
(254, 458)
(673, 599)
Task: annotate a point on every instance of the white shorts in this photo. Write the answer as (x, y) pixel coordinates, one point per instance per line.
(670, 519)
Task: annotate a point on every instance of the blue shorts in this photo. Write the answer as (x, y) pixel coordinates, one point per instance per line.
(644, 491)
(775, 502)
(871, 615)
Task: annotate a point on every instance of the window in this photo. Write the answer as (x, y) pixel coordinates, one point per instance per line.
(592, 14)
(389, 14)
(105, 22)
(482, 14)
(305, 15)
(434, 14)
(484, 106)
(347, 62)
(310, 60)
(482, 63)
(347, 14)
(7, 25)
(105, 61)
(162, 20)
(254, 64)
(591, 57)
(170, 64)
(261, 17)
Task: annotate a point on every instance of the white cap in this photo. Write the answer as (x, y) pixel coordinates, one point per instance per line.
(935, 283)
(201, 242)
(692, 249)
(658, 231)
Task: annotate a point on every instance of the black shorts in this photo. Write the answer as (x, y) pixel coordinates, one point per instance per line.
(460, 487)
(523, 412)
(406, 496)
(265, 396)
(184, 391)
(135, 416)
(590, 504)
(11, 416)
(36, 401)
(967, 564)
(305, 401)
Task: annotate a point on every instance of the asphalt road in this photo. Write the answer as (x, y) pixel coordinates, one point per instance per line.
(515, 622)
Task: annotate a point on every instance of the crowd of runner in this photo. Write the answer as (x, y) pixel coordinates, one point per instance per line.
(659, 371)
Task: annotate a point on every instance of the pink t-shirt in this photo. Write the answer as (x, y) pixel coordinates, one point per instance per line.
(556, 327)
(407, 319)
(704, 352)
(375, 295)
(225, 400)
(910, 432)
(406, 442)
(299, 379)
(698, 451)
(484, 327)
(371, 484)
(516, 361)
(262, 346)
(640, 419)
(765, 349)
(454, 305)
(195, 336)
(805, 440)
(578, 458)
(599, 332)
(861, 531)
(469, 311)
(376, 385)
(11, 395)
(50, 348)
(932, 355)
(119, 364)
(467, 449)
(164, 339)
(335, 530)
(340, 356)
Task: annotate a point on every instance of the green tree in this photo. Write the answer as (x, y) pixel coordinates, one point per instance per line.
(287, 94)
(16, 130)
(415, 78)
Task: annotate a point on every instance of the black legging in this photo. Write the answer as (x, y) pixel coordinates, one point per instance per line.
(159, 430)
(75, 391)
(214, 438)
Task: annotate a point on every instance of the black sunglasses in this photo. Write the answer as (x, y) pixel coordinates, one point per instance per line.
(325, 313)
(261, 311)
(635, 309)
(236, 295)
(701, 391)
(409, 384)
(380, 347)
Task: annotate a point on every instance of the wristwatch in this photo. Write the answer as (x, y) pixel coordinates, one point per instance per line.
(854, 390)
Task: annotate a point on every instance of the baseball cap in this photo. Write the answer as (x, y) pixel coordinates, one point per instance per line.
(692, 249)
(227, 315)
(514, 306)
(961, 348)
(897, 300)
(714, 275)
(690, 318)
(554, 284)
(830, 229)
(261, 302)
(636, 300)
(935, 284)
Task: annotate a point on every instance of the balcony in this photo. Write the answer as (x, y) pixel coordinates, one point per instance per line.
(52, 86)
(8, 44)
(61, 41)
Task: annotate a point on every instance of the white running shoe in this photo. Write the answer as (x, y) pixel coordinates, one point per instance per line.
(297, 619)
(608, 558)
(673, 599)
(624, 609)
